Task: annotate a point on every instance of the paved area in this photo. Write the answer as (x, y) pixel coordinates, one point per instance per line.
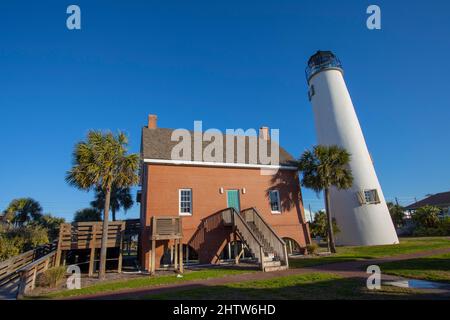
(353, 269)
(9, 290)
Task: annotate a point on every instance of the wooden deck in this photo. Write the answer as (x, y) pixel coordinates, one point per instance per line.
(88, 235)
(167, 228)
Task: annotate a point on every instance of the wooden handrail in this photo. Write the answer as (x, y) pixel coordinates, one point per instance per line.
(237, 215)
(245, 232)
(37, 262)
(269, 234)
(28, 274)
(10, 267)
(264, 221)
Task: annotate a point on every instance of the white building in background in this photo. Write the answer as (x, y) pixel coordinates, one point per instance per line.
(361, 212)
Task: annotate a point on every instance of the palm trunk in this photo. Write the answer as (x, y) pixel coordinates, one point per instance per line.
(331, 242)
(113, 214)
(103, 250)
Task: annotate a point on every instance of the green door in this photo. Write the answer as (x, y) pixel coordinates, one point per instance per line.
(233, 199)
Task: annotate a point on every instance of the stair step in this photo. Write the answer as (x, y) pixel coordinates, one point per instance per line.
(274, 263)
(275, 268)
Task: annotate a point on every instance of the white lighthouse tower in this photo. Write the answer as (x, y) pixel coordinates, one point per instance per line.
(361, 212)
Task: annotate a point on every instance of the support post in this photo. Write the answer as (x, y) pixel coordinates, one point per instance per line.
(286, 256)
(119, 264)
(152, 272)
(175, 245)
(261, 257)
(92, 254)
(63, 257)
(187, 253)
(235, 249)
(180, 243)
(91, 262)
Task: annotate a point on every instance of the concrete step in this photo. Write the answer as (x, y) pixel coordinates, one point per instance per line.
(275, 268)
(272, 263)
(269, 257)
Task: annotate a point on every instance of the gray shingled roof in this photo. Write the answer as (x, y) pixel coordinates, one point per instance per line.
(157, 144)
(439, 199)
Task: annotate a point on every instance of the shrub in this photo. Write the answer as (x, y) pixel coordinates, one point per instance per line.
(9, 247)
(445, 226)
(426, 217)
(442, 228)
(28, 237)
(312, 248)
(51, 277)
(50, 223)
(426, 232)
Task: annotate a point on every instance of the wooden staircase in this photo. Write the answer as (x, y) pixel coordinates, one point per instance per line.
(271, 260)
(267, 248)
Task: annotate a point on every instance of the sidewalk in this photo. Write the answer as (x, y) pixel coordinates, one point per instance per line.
(352, 269)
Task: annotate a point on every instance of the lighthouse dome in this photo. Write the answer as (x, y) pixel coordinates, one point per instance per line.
(322, 60)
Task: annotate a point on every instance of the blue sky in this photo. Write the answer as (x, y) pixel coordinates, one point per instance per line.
(231, 64)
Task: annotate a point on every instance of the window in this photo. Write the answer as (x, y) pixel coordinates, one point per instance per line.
(369, 197)
(185, 202)
(274, 197)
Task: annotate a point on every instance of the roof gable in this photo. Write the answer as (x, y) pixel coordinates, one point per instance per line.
(438, 199)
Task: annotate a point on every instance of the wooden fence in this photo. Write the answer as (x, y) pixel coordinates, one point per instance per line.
(9, 268)
(29, 273)
(88, 235)
(167, 228)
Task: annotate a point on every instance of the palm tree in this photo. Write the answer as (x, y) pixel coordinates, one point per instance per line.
(23, 210)
(397, 213)
(120, 198)
(102, 162)
(322, 168)
(87, 214)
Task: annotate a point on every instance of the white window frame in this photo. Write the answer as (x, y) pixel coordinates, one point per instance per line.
(179, 202)
(278, 200)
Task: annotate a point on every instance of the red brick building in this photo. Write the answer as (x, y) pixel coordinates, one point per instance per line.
(196, 190)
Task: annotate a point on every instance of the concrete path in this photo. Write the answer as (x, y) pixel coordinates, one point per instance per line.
(9, 290)
(353, 269)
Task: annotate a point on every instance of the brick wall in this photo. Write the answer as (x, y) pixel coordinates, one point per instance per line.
(160, 197)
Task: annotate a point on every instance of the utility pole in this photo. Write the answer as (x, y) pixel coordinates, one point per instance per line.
(396, 200)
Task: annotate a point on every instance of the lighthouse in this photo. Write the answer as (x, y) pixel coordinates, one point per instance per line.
(361, 212)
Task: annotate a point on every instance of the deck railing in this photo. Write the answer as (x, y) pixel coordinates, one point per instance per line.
(275, 242)
(85, 235)
(166, 227)
(231, 217)
(88, 235)
(9, 268)
(29, 273)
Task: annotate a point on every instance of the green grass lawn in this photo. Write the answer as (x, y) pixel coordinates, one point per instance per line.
(145, 281)
(407, 245)
(311, 286)
(316, 286)
(434, 268)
